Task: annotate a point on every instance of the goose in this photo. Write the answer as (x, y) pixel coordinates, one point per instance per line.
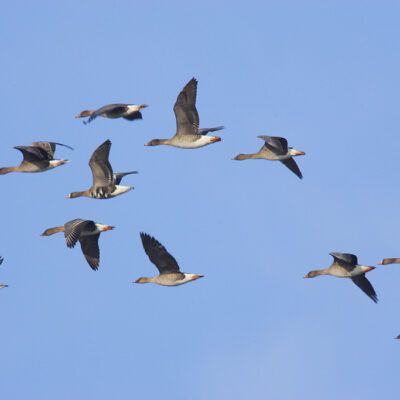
(389, 261)
(1, 261)
(276, 148)
(38, 157)
(188, 135)
(170, 275)
(345, 265)
(127, 111)
(87, 232)
(105, 182)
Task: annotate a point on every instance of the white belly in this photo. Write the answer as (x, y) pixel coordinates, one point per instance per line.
(120, 189)
(202, 141)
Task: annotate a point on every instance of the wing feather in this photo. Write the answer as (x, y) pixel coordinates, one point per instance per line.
(292, 165)
(90, 249)
(102, 172)
(74, 228)
(159, 255)
(365, 285)
(187, 117)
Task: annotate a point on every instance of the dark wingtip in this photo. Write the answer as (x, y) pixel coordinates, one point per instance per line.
(64, 145)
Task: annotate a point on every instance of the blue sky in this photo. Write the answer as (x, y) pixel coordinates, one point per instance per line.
(325, 76)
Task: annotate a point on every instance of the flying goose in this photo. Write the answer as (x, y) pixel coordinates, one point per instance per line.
(170, 275)
(105, 182)
(346, 266)
(38, 157)
(87, 232)
(188, 135)
(276, 148)
(1, 261)
(389, 261)
(127, 111)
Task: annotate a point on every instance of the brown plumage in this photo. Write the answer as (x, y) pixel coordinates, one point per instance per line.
(188, 135)
(105, 182)
(38, 157)
(386, 261)
(276, 149)
(170, 274)
(346, 265)
(127, 111)
(1, 261)
(87, 232)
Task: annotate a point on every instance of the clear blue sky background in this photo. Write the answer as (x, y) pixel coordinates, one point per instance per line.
(325, 75)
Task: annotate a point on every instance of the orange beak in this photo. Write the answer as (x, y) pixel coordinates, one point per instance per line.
(108, 228)
(68, 197)
(299, 153)
(366, 269)
(380, 263)
(78, 116)
(146, 144)
(197, 277)
(215, 139)
(143, 106)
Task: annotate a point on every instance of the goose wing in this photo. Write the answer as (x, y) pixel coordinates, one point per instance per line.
(49, 147)
(276, 144)
(102, 172)
(133, 115)
(90, 249)
(109, 111)
(112, 110)
(119, 175)
(159, 255)
(74, 229)
(365, 285)
(33, 154)
(346, 260)
(292, 165)
(187, 117)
